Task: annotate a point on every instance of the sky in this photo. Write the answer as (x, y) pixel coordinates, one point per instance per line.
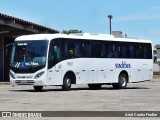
(136, 18)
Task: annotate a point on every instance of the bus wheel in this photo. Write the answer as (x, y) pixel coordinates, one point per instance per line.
(66, 83)
(94, 86)
(122, 82)
(38, 88)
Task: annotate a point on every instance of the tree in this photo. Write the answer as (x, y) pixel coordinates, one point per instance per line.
(71, 31)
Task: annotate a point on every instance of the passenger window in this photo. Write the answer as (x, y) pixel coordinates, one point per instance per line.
(146, 51)
(110, 51)
(149, 51)
(103, 51)
(84, 51)
(95, 49)
(77, 50)
(131, 51)
(71, 49)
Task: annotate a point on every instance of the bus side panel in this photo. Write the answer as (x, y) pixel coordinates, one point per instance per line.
(106, 76)
(84, 77)
(137, 69)
(133, 75)
(141, 70)
(97, 70)
(145, 73)
(54, 77)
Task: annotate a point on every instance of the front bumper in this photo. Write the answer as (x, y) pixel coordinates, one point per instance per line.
(26, 82)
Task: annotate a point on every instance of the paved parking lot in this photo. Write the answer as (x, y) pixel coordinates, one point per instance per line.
(144, 96)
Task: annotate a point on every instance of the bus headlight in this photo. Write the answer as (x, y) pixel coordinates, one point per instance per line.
(12, 75)
(39, 75)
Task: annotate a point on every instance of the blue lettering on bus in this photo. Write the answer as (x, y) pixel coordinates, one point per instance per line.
(22, 65)
(123, 65)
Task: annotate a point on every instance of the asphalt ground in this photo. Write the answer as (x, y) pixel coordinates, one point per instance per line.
(144, 96)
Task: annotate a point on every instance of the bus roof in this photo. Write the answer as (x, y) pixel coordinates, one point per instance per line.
(86, 36)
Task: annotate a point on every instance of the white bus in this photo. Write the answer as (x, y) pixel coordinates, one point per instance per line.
(93, 59)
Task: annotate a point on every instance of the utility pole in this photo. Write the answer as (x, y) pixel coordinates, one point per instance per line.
(110, 27)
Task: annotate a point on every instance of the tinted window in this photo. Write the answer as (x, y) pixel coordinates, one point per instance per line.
(54, 55)
(76, 48)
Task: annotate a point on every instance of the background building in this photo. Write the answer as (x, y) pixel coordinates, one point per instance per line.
(10, 28)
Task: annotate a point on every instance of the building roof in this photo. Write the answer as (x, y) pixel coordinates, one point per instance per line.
(12, 27)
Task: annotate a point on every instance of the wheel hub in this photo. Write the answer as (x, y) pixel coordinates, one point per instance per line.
(123, 81)
(68, 82)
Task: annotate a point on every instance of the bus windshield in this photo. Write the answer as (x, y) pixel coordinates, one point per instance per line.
(29, 54)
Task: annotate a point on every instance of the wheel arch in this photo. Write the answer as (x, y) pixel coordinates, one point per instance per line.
(126, 73)
(72, 75)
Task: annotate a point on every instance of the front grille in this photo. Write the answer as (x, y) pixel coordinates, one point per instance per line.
(24, 82)
(24, 77)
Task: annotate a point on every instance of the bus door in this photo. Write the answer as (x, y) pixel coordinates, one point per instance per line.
(54, 56)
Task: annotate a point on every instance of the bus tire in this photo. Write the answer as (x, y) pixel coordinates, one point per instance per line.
(122, 82)
(38, 88)
(66, 83)
(94, 86)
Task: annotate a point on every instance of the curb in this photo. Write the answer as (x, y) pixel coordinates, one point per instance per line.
(4, 83)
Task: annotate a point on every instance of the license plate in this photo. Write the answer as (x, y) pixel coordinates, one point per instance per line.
(23, 81)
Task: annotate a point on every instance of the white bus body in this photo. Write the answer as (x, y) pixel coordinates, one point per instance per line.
(93, 59)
